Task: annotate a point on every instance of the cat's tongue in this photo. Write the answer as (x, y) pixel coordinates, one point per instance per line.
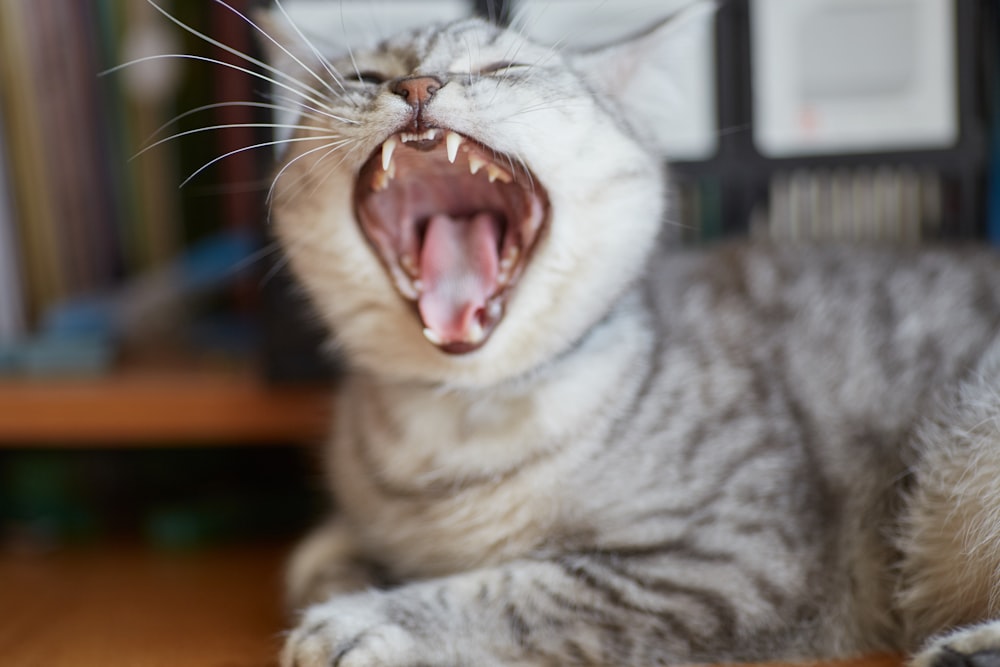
(458, 272)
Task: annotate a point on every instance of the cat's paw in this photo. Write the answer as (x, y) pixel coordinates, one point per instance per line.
(974, 646)
(353, 631)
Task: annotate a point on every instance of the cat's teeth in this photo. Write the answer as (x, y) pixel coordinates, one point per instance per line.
(453, 141)
(475, 164)
(409, 265)
(496, 173)
(426, 135)
(476, 334)
(493, 309)
(432, 337)
(509, 257)
(388, 147)
(380, 181)
(406, 287)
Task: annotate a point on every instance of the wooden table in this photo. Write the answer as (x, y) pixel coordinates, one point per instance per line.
(127, 606)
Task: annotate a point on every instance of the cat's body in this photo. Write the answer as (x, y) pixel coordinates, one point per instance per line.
(726, 451)
(591, 449)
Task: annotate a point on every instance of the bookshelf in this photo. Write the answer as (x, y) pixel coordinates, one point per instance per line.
(157, 406)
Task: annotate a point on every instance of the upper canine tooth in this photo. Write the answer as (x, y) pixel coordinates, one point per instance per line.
(453, 141)
(388, 146)
(476, 163)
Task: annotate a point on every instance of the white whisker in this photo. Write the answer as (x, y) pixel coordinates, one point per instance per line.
(347, 41)
(239, 54)
(228, 126)
(220, 105)
(300, 106)
(333, 168)
(254, 147)
(222, 63)
(274, 182)
(291, 55)
(327, 65)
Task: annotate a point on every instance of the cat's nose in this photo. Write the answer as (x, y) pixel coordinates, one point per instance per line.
(417, 90)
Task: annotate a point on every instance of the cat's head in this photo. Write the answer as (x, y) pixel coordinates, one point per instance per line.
(463, 204)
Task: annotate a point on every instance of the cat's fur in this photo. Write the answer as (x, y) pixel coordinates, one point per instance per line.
(658, 456)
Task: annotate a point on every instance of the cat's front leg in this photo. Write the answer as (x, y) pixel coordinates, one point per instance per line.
(527, 613)
(326, 563)
(973, 646)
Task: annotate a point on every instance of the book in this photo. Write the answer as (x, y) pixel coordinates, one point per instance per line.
(13, 325)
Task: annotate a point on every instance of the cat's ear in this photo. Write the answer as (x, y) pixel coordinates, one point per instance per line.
(643, 72)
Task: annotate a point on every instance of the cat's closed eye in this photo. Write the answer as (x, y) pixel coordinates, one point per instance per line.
(500, 67)
(370, 77)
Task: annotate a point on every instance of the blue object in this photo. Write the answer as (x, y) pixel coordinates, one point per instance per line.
(79, 336)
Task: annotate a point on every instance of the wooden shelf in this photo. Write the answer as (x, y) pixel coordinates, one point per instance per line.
(126, 606)
(143, 407)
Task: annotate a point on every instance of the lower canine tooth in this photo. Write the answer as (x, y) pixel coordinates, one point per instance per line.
(432, 337)
(380, 182)
(406, 261)
(476, 334)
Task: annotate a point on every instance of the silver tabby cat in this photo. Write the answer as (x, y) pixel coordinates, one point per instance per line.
(564, 442)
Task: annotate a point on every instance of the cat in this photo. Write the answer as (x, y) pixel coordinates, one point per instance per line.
(564, 440)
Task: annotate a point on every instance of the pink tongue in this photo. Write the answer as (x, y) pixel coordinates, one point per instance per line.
(458, 270)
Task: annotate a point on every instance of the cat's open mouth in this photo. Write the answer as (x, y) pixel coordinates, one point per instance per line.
(454, 223)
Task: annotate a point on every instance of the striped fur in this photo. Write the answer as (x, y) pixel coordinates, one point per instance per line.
(661, 456)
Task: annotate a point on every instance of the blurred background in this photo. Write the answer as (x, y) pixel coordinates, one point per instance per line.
(161, 379)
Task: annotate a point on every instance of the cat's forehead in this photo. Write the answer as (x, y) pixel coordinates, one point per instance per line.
(450, 46)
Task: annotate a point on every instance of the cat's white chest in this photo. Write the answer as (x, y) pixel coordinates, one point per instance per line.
(439, 481)
(435, 485)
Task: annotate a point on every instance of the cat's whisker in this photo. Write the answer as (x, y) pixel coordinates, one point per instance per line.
(323, 60)
(221, 105)
(347, 41)
(291, 55)
(244, 149)
(221, 63)
(334, 167)
(299, 107)
(299, 183)
(283, 260)
(236, 52)
(257, 256)
(227, 126)
(274, 182)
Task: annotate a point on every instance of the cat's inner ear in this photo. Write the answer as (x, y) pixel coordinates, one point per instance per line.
(641, 73)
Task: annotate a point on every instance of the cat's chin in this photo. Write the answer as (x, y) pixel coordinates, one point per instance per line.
(454, 224)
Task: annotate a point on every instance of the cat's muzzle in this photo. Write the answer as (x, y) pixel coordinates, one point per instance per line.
(454, 223)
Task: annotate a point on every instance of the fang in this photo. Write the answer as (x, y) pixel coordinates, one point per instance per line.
(388, 147)
(432, 337)
(453, 141)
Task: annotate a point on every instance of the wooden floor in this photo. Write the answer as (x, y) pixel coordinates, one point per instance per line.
(130, 607)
